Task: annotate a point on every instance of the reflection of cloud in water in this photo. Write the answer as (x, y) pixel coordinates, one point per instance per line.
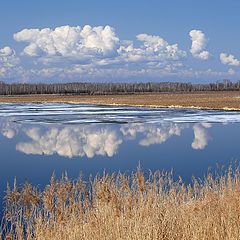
(200, 135)
(8, 128)
(153, 134)
(156, 135)
(8, 132)
(130, 131)
(71, 141)
(90, 141)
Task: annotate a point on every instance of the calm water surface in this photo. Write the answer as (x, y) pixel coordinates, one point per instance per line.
(39, 139)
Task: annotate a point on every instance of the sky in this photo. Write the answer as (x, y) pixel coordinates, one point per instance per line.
(119, 41)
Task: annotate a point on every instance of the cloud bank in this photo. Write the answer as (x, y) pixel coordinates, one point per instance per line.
(75, 53)
(96, 45)
(69, 52)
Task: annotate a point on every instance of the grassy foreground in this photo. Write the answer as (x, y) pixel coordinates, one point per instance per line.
(126, 206)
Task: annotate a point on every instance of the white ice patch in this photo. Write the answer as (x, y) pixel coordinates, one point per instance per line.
(75, 113)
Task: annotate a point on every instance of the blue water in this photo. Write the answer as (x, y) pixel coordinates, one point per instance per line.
(39, 139)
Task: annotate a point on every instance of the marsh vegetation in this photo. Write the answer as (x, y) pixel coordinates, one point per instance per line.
(126, 206)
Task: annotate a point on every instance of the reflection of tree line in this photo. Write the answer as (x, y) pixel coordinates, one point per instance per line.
(72, 141)
(104, 88)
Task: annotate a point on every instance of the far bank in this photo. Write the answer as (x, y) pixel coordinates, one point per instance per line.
(225, 100)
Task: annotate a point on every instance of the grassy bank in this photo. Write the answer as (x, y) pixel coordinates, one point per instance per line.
(126, 206)
(226, 100)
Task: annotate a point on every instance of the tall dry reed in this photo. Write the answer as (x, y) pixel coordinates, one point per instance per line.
(125, 206)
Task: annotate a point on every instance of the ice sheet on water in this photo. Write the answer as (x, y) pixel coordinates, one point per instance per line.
(76, 113)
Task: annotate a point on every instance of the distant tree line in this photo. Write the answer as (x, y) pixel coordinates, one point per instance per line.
(114, 88)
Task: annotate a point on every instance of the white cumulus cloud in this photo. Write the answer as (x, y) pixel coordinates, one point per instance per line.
(229, 59)
(80, 53)
(199, 42)
(67, 41)
(153, 49)
(8, 61)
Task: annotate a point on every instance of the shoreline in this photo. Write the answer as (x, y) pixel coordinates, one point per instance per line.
(227, 101)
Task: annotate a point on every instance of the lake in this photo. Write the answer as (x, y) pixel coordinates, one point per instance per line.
(39, 139)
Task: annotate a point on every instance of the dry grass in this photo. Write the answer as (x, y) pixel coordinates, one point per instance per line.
(205, 100)
(126, 206)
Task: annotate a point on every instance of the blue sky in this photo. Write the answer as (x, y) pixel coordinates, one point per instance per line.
(62, 41)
